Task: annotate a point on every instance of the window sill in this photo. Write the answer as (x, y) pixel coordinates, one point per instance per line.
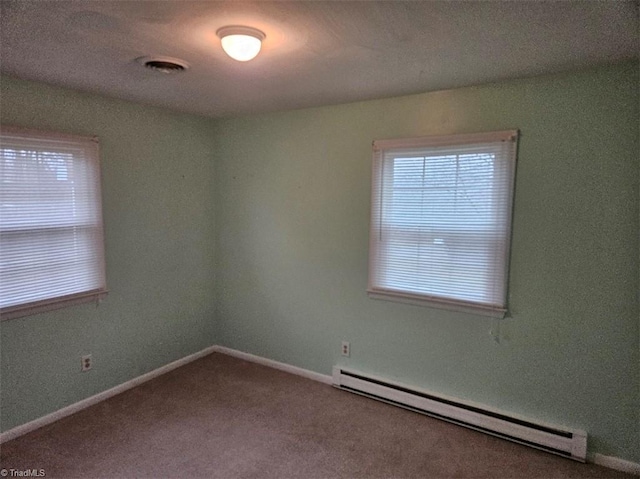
(52, 304)
(432, 302)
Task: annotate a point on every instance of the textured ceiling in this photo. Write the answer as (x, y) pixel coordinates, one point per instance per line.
(315, 53)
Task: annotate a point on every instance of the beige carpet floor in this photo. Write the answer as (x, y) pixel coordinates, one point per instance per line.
(221, 417)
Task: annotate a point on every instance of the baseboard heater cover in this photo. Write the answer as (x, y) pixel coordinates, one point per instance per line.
(569, 443)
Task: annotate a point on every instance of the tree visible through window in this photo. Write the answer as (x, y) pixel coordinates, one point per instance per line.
(51, 245)
(441, 214)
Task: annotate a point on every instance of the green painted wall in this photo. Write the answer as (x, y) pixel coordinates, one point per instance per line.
(292, 214)
(157, 170)
(283, 272)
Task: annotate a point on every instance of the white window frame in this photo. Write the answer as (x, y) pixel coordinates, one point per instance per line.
(387, 264)
(32, 235)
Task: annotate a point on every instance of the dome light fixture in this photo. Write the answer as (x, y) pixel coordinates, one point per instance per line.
(241, 43)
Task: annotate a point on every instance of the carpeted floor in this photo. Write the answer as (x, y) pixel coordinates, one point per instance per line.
(221, 417)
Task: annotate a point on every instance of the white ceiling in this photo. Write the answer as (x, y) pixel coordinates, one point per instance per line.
(315, 53)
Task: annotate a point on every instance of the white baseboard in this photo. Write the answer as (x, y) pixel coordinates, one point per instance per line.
(90, 401)
(599, 459)
(305, 373)
(616, 463)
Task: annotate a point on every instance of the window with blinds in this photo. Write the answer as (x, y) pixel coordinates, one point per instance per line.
(441, 220)
(51, 240)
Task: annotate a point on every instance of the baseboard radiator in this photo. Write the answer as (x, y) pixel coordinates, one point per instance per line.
(565, 442)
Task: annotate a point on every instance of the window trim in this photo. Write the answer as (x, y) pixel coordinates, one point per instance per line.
(376, 292)
(89, 296)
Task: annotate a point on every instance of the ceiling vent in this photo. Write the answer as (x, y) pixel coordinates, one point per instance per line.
(164, 64)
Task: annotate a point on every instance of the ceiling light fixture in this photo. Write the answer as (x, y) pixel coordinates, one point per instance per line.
(241, 43)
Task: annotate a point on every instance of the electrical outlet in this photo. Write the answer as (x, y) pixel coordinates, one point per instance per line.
(346, 348)
(86, 363)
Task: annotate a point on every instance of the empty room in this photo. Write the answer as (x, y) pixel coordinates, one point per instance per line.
(319, 239)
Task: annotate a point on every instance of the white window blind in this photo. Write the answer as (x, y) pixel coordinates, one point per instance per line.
(441, 220)
(51, 240)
